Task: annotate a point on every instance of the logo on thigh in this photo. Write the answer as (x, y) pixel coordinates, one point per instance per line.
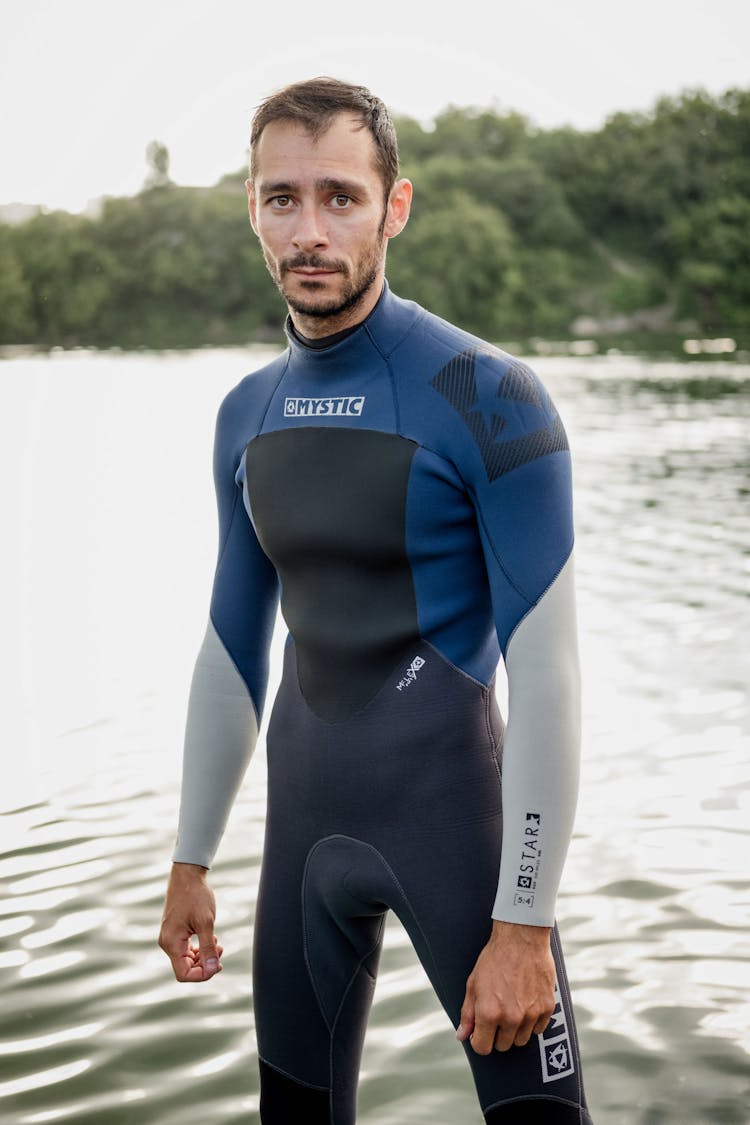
(555, 1045)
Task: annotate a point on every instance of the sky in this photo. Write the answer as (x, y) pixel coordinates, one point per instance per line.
(86, 85)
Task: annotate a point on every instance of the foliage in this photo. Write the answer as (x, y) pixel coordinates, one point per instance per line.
(515, 231)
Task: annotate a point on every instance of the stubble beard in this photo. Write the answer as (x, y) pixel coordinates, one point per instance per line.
(353, 290)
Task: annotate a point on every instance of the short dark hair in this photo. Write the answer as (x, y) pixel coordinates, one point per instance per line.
(315, 102)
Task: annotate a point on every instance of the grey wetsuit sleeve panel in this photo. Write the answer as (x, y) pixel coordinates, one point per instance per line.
(541, 755)
(220, 736)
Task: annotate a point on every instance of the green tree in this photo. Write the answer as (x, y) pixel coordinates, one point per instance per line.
(157, 158)
(16, 315)
(712, 244)
(459, 259)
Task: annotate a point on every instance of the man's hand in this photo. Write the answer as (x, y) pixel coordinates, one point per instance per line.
(190, 908)
(511, 991)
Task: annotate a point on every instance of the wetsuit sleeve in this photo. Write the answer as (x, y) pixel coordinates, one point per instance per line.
(541, 755)
(524, 506)
(231, 671)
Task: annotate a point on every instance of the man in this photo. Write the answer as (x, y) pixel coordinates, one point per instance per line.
(407, 488)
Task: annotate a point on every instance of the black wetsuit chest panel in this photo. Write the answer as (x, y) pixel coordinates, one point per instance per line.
(329, 507)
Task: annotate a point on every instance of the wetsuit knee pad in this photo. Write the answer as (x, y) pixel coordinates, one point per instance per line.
(284, 1101)
(536, 1111)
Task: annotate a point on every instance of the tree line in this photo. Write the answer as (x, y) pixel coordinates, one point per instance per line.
(516, 232)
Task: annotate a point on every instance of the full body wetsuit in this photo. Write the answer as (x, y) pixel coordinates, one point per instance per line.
(407, 489)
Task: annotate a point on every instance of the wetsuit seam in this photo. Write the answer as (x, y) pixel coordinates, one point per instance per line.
(236, 668)
(270, 397)
(408, 328)
(353, 977)
(305, 942)
(471, 493)
(396, 401)
(508, 576)
(291, 1077)
(534, 604)
(232, 514)
(332, 1028)
(566, 999)
(404, 898)
(531, 1098)
(494, 747)
(456, 667)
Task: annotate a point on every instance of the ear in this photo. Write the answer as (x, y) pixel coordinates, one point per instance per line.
(397, 211)
(251, 205)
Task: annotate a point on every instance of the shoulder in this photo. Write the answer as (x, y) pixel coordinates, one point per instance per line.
(451, 357)
(241, 411)
(470, 395)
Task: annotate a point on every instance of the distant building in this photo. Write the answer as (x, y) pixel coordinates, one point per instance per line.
(14, 213)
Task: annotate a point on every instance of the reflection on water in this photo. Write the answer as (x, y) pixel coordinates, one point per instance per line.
(108, 499)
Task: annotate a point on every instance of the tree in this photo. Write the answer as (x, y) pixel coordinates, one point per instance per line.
(459, 259)
(157, 158)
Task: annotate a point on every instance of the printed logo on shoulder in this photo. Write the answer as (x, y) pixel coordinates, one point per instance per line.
(555, 1046)
(348, 406)
(411, 673)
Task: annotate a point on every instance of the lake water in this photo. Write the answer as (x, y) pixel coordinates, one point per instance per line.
(108, 549)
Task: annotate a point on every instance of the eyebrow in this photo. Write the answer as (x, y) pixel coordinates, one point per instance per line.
(328, 183)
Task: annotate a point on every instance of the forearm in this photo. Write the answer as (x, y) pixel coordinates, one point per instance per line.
(220, 735)
(541, 757)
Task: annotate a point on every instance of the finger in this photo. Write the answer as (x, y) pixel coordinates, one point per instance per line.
(483, 1036)
(506, 1030)
(466, 1026)
(177, 949)
(209, 955)
(542, 1024)
(523, 1034)
(504, 1038)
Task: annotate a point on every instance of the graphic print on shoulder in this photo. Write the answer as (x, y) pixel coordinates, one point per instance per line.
(477, 391)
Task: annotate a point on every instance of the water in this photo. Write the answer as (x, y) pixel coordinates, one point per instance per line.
(109, 548)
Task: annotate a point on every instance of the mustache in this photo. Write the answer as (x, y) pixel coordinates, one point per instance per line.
(311, 262)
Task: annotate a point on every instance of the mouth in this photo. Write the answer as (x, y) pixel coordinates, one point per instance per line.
(312, 272)
(310, 268)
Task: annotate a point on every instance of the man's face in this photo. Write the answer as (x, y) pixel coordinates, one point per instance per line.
(318, 208)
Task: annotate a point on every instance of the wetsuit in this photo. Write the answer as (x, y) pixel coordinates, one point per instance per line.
(407, 491)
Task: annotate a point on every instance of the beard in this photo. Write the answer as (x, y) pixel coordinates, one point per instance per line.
(354, 283)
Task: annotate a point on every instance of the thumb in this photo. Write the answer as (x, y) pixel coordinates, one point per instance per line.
(208, 954)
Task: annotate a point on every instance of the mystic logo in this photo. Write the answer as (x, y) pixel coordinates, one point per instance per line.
(528, 868)
(347, 406)
(411, 673)
(554, 1045)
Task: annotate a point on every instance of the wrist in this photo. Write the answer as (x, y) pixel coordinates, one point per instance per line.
(188, 870)
(520, 932)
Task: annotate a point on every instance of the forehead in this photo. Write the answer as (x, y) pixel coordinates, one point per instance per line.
(287, 150)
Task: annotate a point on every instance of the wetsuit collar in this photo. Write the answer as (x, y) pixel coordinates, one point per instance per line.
(385, 326)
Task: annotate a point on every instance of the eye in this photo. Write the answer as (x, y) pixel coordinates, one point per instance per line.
(341, 201)
(281, 202)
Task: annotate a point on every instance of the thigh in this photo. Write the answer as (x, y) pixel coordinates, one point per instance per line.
(316, 951)
(449, 886)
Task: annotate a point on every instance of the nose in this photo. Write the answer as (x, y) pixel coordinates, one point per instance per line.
(310, 233)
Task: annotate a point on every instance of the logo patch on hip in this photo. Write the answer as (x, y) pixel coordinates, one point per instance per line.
(411, 674)
(555, 1046)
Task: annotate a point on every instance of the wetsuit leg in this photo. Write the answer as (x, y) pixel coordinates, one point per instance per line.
(397, 808)
(316, 952)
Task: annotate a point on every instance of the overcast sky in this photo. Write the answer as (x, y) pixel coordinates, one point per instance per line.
(85, 84)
